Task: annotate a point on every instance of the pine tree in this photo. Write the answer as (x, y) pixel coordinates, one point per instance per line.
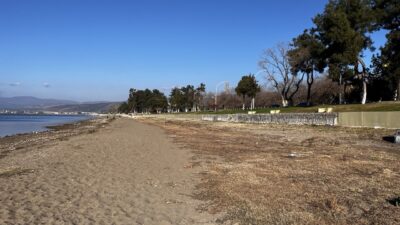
(306, 57)
(387, 13)
(344, 29)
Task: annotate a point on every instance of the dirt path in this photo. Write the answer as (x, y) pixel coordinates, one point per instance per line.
(126, 173)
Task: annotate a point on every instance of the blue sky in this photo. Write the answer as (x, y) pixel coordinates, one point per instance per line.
(96, 50)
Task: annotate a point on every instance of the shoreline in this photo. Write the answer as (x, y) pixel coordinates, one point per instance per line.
(119, 172)
(11, 143)
(37, 128)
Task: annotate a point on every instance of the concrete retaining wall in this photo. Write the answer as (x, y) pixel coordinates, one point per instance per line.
(389, 120)
(175, 116)
(283, 118)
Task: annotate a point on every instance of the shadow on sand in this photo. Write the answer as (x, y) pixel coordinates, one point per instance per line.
(388, 138)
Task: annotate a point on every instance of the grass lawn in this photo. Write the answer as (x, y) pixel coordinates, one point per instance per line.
(370, 107)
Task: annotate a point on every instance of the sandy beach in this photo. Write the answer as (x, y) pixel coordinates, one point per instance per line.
(119, 172)
(169, 171)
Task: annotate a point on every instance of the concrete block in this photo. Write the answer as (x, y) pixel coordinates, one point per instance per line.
(397, 137)
(275, 111)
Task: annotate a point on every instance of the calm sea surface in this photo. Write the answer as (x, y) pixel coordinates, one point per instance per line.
(18, 124)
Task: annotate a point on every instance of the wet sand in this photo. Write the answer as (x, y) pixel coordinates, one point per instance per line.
(125, 172)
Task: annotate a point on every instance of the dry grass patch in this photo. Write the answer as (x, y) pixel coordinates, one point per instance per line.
(14, 172)
(277, 174)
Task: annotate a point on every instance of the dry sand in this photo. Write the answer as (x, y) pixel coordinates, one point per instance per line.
(125, 173)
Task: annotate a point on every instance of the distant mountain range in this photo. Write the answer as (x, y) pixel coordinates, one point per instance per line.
(102, 107)
(40, 104)
(28, 102)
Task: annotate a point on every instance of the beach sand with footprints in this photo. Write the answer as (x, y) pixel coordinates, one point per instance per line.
(120, 172)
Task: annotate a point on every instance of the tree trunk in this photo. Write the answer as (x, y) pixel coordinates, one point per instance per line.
(252, 103)
(308, 94)
(244, 102)
(340, 90)
(310, 81)
(343, 90)
(363, 78)
(285, 102)
(290, 102)
(364, 95)
(398, 90)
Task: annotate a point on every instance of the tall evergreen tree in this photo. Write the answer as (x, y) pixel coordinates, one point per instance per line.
(144, 101)
(306, 57)
(387, 63)
(248, 86)
(344, 29)
(189, 97)
(199, 93)
(177, 99)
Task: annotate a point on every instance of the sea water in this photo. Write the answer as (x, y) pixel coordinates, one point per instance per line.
(19, 124)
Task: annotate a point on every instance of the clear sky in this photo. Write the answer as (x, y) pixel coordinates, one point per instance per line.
(96, 50)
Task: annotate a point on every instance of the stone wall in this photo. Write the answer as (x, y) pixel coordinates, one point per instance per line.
(282, 118)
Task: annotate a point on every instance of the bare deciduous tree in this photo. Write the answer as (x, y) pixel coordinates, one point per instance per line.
(275, 62)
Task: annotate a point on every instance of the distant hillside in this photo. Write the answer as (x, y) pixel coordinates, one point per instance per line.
(102, 107)
(28, 102)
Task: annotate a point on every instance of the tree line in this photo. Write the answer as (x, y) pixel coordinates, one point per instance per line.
(144, 101)
(183, 99)
(187, 98)
(328, 54)
(335, 44)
